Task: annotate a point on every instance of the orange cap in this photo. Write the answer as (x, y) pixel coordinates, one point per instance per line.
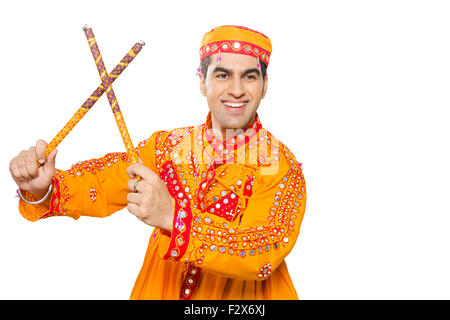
(236, 39)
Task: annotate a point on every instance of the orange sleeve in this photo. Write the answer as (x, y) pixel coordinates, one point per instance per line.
(255, 244)
(96, 188)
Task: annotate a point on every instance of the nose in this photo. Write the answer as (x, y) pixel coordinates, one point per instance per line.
(236, 88)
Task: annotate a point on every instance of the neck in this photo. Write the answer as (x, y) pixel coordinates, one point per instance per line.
(225, 134)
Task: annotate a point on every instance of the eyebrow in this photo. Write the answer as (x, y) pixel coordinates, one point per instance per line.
(221, 69)
(253, 70)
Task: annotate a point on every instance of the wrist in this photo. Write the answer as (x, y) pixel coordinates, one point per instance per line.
(39, 193)
(39, 197)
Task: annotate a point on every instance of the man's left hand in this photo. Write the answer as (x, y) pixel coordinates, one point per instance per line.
(149, 199)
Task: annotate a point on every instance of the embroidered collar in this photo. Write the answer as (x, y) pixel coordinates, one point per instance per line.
(230, 149)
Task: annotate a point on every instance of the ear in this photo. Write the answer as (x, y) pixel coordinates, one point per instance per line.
(265, 84)
(202, 84)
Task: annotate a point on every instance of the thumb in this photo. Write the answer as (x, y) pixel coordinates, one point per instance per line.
(41, 145)
(51, 159)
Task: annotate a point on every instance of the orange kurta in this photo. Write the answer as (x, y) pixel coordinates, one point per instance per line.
(239, 207)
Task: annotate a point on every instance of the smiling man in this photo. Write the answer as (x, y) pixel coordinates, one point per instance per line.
(225, 198)
(233, 90)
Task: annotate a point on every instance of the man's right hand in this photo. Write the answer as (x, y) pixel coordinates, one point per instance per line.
(26, 173)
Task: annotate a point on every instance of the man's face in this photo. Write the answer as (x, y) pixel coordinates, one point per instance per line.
(233, 91)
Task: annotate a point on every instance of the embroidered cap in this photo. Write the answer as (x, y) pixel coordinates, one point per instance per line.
(236, 39)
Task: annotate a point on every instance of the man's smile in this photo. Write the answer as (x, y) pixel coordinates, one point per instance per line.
(235, 104)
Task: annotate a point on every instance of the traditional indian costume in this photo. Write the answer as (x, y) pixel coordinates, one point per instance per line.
(239, 202)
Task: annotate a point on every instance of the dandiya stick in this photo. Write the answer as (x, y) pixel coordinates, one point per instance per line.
(106, 83)
(93, 98)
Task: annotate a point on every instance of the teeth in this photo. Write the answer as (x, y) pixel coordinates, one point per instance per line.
(234, 105)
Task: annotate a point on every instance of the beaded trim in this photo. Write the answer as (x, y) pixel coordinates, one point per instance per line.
(182, 217)
(240, 47)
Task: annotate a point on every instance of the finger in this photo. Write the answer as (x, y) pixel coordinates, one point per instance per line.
(41, 146)
(131, 183)
(14, 169)
(22, 167)
(135, 198)
(135, 185)
(130, 171)
(31, 162)
(133, 208)
(138, 169)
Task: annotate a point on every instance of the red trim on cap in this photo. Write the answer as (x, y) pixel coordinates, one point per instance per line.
(229, 46)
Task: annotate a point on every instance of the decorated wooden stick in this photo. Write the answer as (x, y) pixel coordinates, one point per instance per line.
(106, 83)
(93, 98)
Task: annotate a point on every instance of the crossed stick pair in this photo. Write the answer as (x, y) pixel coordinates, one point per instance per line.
(107, 80)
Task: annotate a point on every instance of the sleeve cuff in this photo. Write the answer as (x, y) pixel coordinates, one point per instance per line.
(174, 246)
(29, 211)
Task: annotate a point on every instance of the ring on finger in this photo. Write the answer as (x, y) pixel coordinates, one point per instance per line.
(135, 185)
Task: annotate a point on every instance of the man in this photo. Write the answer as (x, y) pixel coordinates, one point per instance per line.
(225, 197)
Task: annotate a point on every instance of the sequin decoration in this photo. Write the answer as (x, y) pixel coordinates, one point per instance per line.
(224, 207)
(60, 195)
(183, 215)
(265, 271)
(190, 282)
(241, 47)
(277, 232)
(93, 194)
(95, 165)
(214, 187)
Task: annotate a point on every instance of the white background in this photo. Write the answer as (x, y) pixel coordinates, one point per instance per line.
(359, 91)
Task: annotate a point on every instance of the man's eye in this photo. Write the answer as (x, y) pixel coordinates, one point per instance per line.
(249, 76)
(221, 75)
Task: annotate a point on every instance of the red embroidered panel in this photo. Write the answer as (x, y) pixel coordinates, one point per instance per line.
(182, 215)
